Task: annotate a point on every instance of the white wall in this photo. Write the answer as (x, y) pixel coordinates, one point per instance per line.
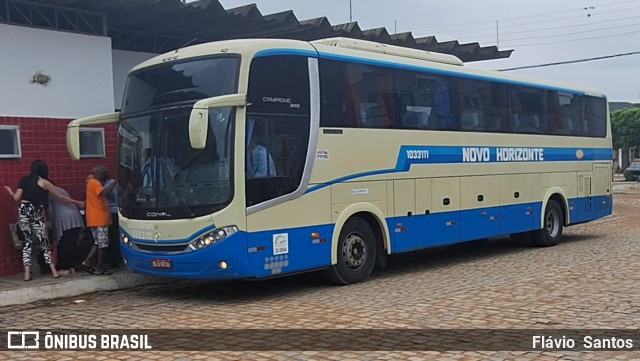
(123, 61)
(79, 66)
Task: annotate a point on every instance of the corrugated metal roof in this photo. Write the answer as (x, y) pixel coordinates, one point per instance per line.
(159, 26)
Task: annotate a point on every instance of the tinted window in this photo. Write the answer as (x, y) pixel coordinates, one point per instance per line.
(595, 117)
(481, 106)
(356, 96)
(278, 124)
(565, 114)
(364, 96)
(178, 82)
(424, 100)
(335, 102)
(528, 110)
(577, 115)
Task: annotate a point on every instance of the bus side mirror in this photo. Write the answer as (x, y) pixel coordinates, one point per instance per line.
(73, 130)
(198, 127)
(199, 118)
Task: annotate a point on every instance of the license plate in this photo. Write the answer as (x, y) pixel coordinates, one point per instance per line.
(161, 263)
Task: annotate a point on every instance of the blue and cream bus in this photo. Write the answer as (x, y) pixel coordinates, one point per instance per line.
(371, 150)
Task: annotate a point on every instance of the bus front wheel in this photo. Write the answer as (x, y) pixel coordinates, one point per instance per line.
(551, 232)
(356, 253)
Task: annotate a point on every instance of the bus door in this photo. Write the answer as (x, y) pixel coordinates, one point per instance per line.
(277, 148)
(480, 217)
(594, 189)
(441, 224)
(585, 207)
(403, 227)
(601, 188)
(517, 213)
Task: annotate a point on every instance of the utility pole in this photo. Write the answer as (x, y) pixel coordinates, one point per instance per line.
(350, 13)
(497, 35)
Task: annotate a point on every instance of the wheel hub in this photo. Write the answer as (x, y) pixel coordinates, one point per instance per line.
(354, 251)
(553, 223)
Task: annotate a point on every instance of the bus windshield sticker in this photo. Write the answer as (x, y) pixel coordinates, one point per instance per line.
(322, 154)
(280, 243)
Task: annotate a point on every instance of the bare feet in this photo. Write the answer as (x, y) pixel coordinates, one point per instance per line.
(64, 272)
(54, 272)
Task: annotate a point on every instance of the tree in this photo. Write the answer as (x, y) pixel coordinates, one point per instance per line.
(625, 128)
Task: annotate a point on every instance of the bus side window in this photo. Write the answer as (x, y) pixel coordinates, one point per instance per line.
(474, 105)
(514, 122)
(470, 120)
(530, 124)
(528, 110)
(595, 125)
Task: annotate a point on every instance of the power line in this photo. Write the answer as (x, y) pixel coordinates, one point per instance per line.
(493, 35)
(571, 61)
(566, 34)
(541, 14)
(574, 33)
(540, 22)
(571, 26)
(551, 28)
(530, 16)
(566, 11)
(570, 40)
(572, 17)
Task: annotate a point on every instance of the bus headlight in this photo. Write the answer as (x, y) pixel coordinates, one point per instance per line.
(126, 240)
(212, 237)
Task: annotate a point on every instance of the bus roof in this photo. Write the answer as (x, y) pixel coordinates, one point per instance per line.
(359, 51)
(381, 48)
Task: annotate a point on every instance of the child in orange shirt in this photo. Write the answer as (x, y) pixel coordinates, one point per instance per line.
(98, 217)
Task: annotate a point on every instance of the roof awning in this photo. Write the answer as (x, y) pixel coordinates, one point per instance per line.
(158, 26)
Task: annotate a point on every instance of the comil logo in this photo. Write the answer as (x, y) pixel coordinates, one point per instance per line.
(23, 340)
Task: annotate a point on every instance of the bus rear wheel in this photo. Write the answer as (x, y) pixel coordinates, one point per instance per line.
(551, 232)
(356, 253)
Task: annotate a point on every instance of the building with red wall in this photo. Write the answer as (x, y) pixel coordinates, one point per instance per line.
(50, 77)
(43, 138)
(66, 59)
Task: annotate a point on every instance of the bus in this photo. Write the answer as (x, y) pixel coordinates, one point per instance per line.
(257, 158)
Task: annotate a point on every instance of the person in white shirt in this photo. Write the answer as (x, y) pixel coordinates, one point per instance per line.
(259, 161)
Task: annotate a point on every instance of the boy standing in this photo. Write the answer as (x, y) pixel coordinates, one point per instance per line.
(98, 217)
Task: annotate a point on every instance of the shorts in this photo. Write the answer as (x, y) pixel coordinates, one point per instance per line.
(100, 236)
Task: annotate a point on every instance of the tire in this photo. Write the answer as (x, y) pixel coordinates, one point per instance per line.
(356, 253)
(551, 232)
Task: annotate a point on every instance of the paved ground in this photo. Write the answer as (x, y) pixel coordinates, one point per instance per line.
(590, 281)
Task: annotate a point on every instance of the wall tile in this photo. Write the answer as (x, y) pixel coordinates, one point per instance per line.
(44, 138)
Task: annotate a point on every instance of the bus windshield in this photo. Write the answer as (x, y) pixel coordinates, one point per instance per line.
(174, 83)
(162, 177)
